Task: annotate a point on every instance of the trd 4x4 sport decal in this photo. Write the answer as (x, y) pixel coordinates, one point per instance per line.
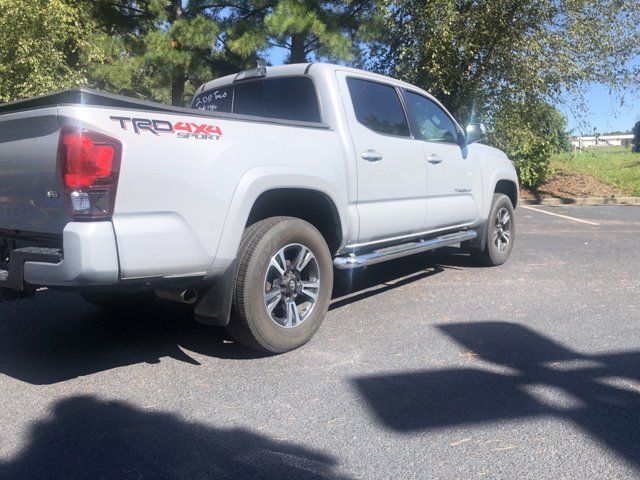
(181, 129)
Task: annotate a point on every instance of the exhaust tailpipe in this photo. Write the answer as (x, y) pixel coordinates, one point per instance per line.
(188, 296)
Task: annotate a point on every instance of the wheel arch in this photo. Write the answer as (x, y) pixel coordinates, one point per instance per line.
(279, 190)
(508, 188)
(310, 205)
(500, 180)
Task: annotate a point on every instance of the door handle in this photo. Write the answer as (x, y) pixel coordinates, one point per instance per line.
(434, 159)
(371, 156)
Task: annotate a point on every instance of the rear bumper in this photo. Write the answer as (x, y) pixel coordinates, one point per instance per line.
(89, 258)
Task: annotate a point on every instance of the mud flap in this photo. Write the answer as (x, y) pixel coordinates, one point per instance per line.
(480, 241)
(214, 308)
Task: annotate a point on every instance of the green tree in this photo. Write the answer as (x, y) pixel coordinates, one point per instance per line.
(530, 132)
(43, 47)
(153, 49)
(331, 30)
(474, 54)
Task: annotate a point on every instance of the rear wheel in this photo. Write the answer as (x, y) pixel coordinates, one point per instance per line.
(501, 232)
(283, 285)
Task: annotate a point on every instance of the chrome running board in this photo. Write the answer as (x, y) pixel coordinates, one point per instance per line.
(397, 251)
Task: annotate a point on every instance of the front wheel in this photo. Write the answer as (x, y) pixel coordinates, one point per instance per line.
(500, 232)
(283, 285)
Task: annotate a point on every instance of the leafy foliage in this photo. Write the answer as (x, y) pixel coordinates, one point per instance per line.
(164, 49)
(530, 133)
(153, 49)
(332, 30)
(42, 48)
(475, 54)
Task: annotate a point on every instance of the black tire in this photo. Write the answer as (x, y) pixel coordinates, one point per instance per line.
(492, 255)
(251, 324)
(112, 301)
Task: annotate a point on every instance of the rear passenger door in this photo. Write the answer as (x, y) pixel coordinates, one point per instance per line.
(392, 179)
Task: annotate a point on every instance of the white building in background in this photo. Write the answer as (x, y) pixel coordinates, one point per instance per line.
(602, 141)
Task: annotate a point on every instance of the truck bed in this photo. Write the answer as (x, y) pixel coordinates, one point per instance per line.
(80, 96)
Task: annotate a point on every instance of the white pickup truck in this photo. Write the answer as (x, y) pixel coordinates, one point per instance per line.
(244, 204)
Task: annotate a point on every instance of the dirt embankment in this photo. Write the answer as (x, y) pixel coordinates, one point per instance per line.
(564, 184)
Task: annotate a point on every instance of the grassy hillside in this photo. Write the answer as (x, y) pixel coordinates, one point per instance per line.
(611, 165)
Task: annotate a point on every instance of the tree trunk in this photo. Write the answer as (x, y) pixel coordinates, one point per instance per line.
(175, 10)
(178, 74)
(177, 86)
(298, 54)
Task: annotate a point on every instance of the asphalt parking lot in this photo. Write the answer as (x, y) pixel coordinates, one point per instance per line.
(427, 368)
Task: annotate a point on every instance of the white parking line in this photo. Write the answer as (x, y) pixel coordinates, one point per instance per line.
(529, 207)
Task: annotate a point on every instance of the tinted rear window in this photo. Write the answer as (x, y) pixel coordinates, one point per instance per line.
(285, 98)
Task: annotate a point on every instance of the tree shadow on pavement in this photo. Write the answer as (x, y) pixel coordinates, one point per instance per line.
(598, 393)
(89, 438)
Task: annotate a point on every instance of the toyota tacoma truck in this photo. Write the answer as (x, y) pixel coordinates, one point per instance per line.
(244, 204)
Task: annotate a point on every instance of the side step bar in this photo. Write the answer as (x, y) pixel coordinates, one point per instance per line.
(390, 253)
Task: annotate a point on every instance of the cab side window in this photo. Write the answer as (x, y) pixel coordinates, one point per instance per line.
(378, 107)
(433, 124)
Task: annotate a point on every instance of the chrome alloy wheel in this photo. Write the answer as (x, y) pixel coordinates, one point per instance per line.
(502, 229)
(291, 285)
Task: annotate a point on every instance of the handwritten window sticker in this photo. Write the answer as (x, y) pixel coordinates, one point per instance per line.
(215, 100)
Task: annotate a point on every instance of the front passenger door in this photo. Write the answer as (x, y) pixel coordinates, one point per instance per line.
(454, 183)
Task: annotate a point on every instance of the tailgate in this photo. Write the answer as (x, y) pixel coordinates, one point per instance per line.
(31, 197)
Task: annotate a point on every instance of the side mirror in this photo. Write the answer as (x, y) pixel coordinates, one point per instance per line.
(475, 132)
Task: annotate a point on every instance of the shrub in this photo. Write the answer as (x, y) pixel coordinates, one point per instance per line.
(529, 133)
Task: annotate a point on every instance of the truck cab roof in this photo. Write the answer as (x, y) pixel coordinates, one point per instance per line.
(278, 71)
(306, 69)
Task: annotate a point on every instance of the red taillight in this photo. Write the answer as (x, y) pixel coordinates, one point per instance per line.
(90, 164)
(85, 161)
